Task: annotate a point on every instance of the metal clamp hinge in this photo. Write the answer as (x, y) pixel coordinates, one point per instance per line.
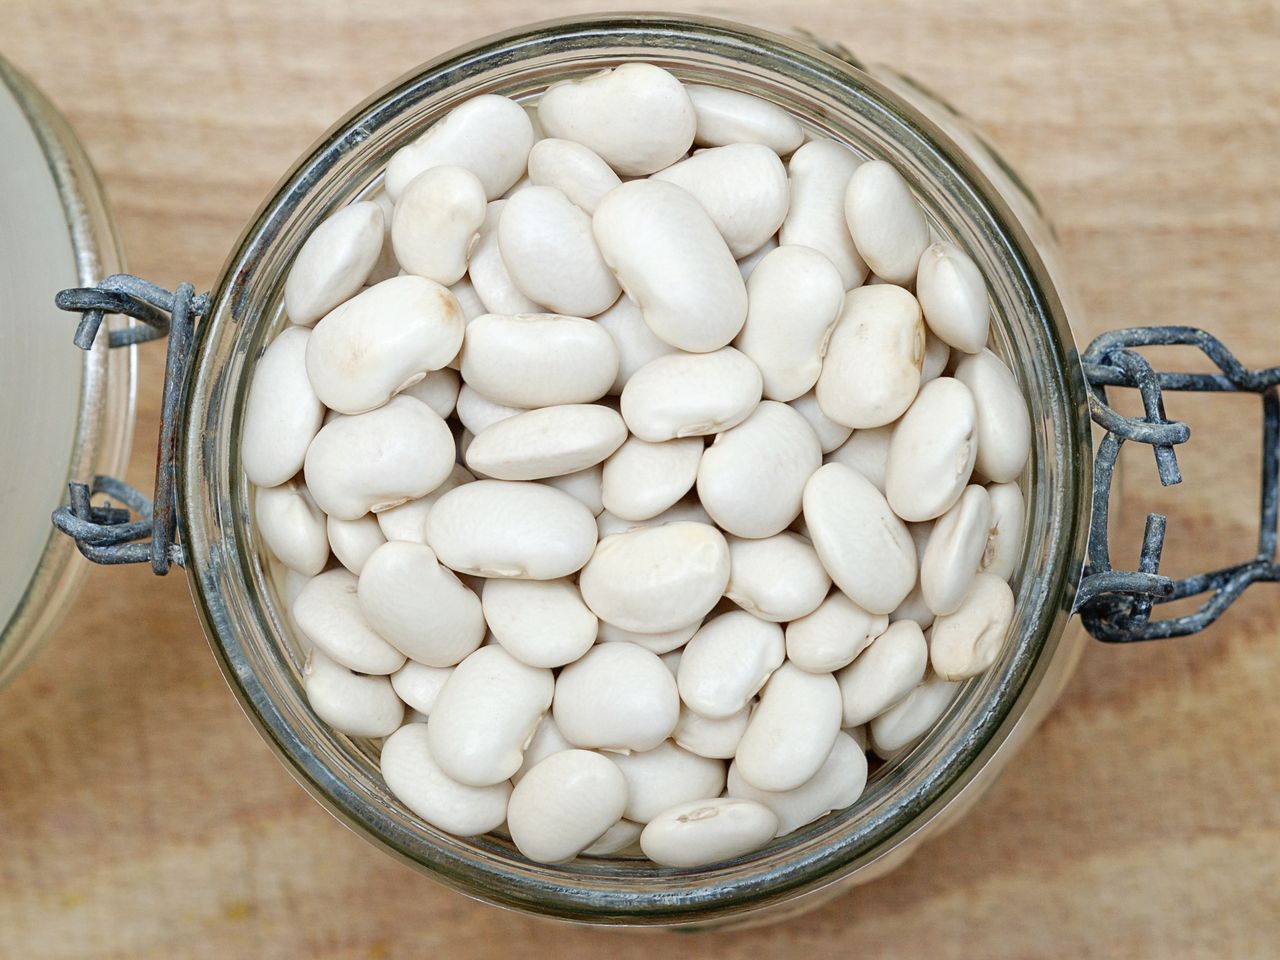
(1114, 605)
(108, 534)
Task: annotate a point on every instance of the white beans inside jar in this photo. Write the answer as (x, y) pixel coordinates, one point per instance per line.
(670, 474)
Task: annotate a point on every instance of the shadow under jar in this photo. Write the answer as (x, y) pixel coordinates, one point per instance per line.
(969, 197)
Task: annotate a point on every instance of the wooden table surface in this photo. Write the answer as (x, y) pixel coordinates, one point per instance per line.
(141, 816)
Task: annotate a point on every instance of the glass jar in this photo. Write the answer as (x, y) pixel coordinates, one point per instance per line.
(968, 195)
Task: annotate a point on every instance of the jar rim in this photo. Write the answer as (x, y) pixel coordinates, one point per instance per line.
(218, 566)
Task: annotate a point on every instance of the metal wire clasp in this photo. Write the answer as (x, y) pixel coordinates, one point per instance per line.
(107, 534)
(1116, 606)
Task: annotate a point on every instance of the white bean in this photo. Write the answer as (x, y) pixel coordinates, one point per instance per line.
(936, 357)
(752, 478)
(747, 265)
(866, 549)
(671, 660)
(486, 714)
(707, 831)
(872, 369)
(1008, 518)
(524, 183)
(488, 135)
(953, 296)
(793, 300)
(436, 222)
(565, 804)
(642, 479)
(622, 835)
(914, 607)
(386, 265)
(359, 706)
(636, 117)
(866, 451)
(438, 390)
(617, 697)
(729, 116)
(791, 731)
(820, 172)
(727, 662)
(684, 511)
(419, 685)
(328, 612)
(532, 110)
(778, 578)
(543, 623)
(690, 394)
(954, 550)
(607, 524)
(418, 605)
(417, 781)
(710, 737)
(292, 527)
(671, 260)
(658, 643)
(380, 459)
(887, 224)
(743, 188)
(476, 411)
(409, 520)
(664, 776)
(550, 252)
(1004, 427)
(636, 343)
(833, 635)
(830, 434)
(573, 169)
(883, 673)
(288, 590)
(548, 442)
(469, 301)
(354, 540)
(859, 734)
(912, 716)
(966, 642)
(837, 784)
(655, 579)
(498, 528)
(382, 341)
(546, 740)
(689, 511)
(462, 440)
(282, 414)
(585, 486)
(489, 275)
(932, 451)
(334, 262)
(537, 360)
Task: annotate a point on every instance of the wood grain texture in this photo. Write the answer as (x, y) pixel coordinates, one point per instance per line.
(140, 815)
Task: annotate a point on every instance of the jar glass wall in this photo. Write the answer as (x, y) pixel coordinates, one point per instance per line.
(243, 612)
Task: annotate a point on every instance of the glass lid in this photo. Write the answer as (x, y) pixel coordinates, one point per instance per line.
(64, 413)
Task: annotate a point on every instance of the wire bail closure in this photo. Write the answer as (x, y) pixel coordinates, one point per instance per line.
(107, 534)
(1115, 606)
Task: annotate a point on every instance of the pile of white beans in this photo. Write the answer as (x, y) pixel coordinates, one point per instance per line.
(660, 485)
